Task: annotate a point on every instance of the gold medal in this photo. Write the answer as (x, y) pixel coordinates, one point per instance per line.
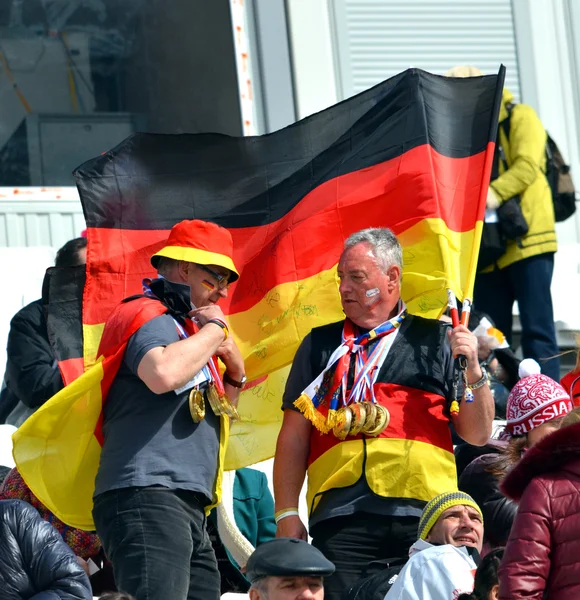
(221, 405)
(196, 405)
(371, 417)
(359, 417)
(214, 399)
(343, 423)
(228, 408)
(381, 423)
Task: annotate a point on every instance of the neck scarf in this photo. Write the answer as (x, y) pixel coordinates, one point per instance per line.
(330, 386)
(175, 296)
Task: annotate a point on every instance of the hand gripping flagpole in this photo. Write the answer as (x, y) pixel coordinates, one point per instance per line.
(460, 363)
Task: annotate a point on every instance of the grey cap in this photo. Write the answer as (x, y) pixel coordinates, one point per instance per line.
(285, 557)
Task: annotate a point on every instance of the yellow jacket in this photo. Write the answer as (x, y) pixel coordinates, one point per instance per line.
(526, 158)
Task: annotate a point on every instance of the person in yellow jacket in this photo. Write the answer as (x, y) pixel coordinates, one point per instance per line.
(524, 272)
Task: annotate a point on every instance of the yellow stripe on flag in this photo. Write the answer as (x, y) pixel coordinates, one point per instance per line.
(92, 335)
(268, 334)
(57, 453)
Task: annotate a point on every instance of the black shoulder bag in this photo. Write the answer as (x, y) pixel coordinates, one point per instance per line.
(511, 218)
(511, 225)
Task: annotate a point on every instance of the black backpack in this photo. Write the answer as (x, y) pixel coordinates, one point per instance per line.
(557, 173)
(375, 587)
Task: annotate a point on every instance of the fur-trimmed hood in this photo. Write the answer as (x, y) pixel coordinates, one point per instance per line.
(559, 451)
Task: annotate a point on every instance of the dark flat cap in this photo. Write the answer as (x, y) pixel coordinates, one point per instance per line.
(285, 557)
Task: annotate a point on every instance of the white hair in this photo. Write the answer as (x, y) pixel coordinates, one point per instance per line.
(384, 243)
(261, 586)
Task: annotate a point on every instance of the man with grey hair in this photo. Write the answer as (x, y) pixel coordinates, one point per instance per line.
(287, 569)
(367, 409)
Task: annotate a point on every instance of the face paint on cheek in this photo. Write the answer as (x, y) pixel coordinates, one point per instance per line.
(207, 285)
(373, 293)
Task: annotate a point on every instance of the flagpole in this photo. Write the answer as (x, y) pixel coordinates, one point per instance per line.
(486, 175)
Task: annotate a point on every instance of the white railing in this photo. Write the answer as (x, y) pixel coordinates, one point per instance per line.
(39, 216)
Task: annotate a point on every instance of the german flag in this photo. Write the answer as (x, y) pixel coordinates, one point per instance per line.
(413, 153)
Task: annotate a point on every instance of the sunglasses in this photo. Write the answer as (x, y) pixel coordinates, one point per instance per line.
(222, 280)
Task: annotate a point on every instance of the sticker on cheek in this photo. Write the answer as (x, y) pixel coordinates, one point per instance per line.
(372, 292)
(207, 285)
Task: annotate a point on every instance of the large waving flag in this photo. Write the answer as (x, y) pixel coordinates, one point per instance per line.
(413, 153)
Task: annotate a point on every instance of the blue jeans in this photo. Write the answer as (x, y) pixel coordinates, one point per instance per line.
(527, 281)
(156, 539)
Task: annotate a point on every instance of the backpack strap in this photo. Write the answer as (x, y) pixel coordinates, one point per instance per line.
(506, 123)
(505, 126)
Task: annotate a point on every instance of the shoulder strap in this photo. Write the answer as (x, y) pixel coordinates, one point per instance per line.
(506, 126)
(506, 123)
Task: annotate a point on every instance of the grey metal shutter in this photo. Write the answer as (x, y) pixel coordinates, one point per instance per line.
(376, 39)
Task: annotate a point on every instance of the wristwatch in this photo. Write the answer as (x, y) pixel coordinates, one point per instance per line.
(480, 382)
(233, 382)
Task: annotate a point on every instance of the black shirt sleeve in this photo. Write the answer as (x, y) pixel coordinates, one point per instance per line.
(301, 375)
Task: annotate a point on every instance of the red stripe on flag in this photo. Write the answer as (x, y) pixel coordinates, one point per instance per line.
(71, 368)
(396, 194)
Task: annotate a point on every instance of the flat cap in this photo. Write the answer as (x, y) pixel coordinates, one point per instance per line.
(283, 557)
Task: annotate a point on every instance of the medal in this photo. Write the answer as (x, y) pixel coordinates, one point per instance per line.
(371, 417)
(359, 417)
(215, 394)
(220, 403)
(228, 408)
(214, 399)
(196, 405)
(343, 423)
(381, 423)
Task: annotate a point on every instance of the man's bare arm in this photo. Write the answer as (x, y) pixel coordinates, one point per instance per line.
(164, 369)
(474, 421)
(290, 465)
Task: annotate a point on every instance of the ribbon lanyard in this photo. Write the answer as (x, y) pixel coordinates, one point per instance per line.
(367, 367)
(206, 370)
(210, 370)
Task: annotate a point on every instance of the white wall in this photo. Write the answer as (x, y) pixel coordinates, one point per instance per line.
(22, 273)
(313, 61)
(34, 224)
(32, 216)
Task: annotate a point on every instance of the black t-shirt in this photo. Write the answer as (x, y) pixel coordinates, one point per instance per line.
(150, 439)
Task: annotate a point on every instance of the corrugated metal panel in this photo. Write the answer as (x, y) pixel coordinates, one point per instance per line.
(376, 39)
(39, 216)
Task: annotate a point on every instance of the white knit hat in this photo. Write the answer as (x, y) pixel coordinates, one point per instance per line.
(534, 400)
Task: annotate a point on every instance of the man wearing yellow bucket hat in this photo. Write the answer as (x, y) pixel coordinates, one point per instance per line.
(166, 417)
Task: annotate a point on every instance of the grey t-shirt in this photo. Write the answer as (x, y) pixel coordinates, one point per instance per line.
(150, 439)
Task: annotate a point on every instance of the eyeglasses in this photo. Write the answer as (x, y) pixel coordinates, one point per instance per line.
(222, 280)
